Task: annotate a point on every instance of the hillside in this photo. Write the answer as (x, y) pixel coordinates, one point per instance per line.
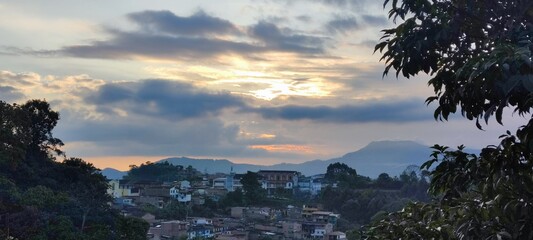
(391, 157)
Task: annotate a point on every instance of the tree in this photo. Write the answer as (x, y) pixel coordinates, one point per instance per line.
(87, 186)
(233, 199)
(161, 171)
(479, 58)
(345, 176)
(43, 120)
(15, 135)
(130, 228)
(253, 192)
(384, 181)
(336, 171)
(42, 198)
(477, 52)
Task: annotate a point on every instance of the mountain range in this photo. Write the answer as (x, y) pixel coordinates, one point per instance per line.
(391, 157)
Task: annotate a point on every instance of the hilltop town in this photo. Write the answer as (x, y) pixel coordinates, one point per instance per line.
(267, 204)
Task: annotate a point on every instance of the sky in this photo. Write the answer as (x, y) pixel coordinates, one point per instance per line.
(252, 81)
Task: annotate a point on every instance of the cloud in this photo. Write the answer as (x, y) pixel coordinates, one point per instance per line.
(342, 24)
(350, 4)
(161, 98)
(19, 79)
(198, 24)
(304, 18)
(164, 35)
(10, 94)
(153, 136)
(398, 111)
(135, 135)
(285, 39)
(127, 45)
(375, 20)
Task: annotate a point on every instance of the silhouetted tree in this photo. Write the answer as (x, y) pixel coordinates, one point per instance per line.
(253, 192)
(479, 57)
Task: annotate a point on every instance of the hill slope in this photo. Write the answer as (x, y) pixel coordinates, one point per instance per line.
(111, 173)
(390, 157)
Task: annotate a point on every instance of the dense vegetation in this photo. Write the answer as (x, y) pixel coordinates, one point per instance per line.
(162, 172)
(479, 57)
(43, 198)
(361, 199)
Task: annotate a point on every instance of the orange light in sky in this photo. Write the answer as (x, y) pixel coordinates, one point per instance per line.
(284, 148)
(121, 163)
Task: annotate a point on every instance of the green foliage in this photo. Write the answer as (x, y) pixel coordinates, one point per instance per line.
(384, 181)
(41, 198)
(345, 176)
(477, 52)
(130, 228)
(162, 171)
(415, 221)
(43, 120)
(233, 199)
(479, 197)
(336, 171)
(9, 194)
(253, 192)
(61, 228)
(173, 210)
(479, 55)
(15, 135)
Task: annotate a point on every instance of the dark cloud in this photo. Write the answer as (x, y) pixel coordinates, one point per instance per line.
(399, 111)
(164, 35)
(162, 99)
(126, 45)
(148, 135)
(304, 18)
(284, 39)
(10, 94)
(167, 22)
(342, 24)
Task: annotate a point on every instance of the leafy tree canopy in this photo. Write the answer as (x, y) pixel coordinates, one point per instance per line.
(335, 170)
(477, 52)
(479, 57)
(162, 171)
(253, 192)
(42, 198)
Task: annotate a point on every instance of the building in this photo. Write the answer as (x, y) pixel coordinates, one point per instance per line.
(181, 193)
(336, 236)
(237, 212)
(323, 217)
(233, 235)
(201, 231)
(292, 230)
(316, 230)
(230, 182)
(273, 179)
(122, 188)
(168, 230)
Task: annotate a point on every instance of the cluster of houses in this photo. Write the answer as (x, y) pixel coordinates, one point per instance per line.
(252, 223)
(244, 223)
(213, 186)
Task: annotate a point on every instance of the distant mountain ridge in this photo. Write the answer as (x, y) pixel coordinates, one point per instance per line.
(377, 157)
(112, 173)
